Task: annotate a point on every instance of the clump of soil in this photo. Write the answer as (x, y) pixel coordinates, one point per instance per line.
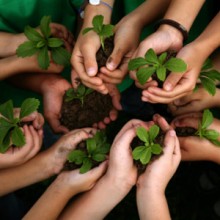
(95, 108)
(103, 55)
(137, 142)
(185, 131)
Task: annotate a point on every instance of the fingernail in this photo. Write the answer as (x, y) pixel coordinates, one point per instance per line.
(172, 133)
(91, 71)
(168, 86)
(110, 65)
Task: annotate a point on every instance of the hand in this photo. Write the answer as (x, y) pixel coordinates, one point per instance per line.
(15, 156)
(195, 148)
(54, 88)
(115, 94)
(193, 102)
(159, 171)
(164, 39)
(177, 84)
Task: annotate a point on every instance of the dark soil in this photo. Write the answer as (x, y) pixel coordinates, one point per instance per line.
(137, 142)
(94, 109)
(103, 55)
(185, 131)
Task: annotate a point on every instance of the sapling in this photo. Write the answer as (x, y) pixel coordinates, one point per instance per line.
(151, 63)
(144, 152)
(209, 77)
(80, 93)
(103, 30)
(43, 44)
(96, 151)
(10, 130)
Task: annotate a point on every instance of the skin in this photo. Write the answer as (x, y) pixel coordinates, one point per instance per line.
(33, 137)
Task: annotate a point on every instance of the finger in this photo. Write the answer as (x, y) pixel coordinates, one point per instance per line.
(101, 88)
(172, 80)
(108, 79)
(113, 115)
(54, 123)
(162, 123)
(186, 122)
(186, 99)
(169, 143)
(39, 121)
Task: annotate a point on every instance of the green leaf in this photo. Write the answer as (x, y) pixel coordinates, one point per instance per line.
(40, 44)
(216, 142)
(76, 156)
(61, 56)
(212, 74)
(45, 26)
(32, 34)
(104, 149)
(27, 49)
(137, 152)
(5, 127)
(28, 106)
(151, 57)
(86, 30)
(5, 144)
(209, 85)
(107, 31)
(144, 74)
(81, 89)
(97, 22)
(136, 63)
(43, 58)
(156, 149)
(142, 134)
(162, 58)
(88, 91)
(17, 137)
(6, 109)
(99, 157)
(87, 165)
(207, 64)
(54, 42)
(91, 145)
(175, 65)
(161, 73)
(211, 134)
(207, 119)
(146, 156)
(153, 132)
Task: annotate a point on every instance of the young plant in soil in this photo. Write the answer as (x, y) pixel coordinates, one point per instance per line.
(43, 44)
(89, 153)
(203, 131)
(105, 33)
(10, 126)
(145, 145)
(209, 77)
(82, 107)
(155, 66)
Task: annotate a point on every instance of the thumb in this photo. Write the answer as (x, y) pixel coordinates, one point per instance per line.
(171, 81)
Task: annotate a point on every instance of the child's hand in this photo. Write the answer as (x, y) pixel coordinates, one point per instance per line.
(159, 171)
(15, 156)
(195, 148)
(195, 101)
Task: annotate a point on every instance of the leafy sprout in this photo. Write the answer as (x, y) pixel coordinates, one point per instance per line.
(103, 30)
(151, 63)
(144, 153)
(10, 131)
(204, 132)
(43, 44)
(209, 77)
(80, 93)
(97, 148)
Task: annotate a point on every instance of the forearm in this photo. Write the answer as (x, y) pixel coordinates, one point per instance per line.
(152, 205)
(9, 43)
(26, 174)
(50, 204)
(97, 202)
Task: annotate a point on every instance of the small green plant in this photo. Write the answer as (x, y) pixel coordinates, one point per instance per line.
(10, 131)
(96, 150)
(42, 44)
(204, 132)
(144, 153)
(103, 30)
(80, 93)
(209, 77)
(151, 63)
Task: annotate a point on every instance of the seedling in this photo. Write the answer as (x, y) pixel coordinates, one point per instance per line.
(103, 30)
(10, 131)
(209, 77)
(96, 151)
(80, 93)
(42, 44)
(144, 153)
(204, 132)
(151, 63)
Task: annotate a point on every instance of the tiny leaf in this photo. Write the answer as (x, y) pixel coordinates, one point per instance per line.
(175, 65)
(6, 109)
(136, 63)
(5, 144)
(17, 137)
(99, 157)
(153, 132)
(86, 30)
(207, 64)
(45, 26)
(43, 58)
(156, 149)
(211, 134)
(162, 57)
(107, 31)
(207, 118)
(137, 152)
(61, 56)
(209, 85)
(87, 165)
(54, 42)
(142, 134)
(76, 156)
(97, 23)
(146, 156)
(32, 34)
(151, 57)
(144, 74)
(28, 106)
(90, 145)
(5, 127)
(161, 73)
(26, 49)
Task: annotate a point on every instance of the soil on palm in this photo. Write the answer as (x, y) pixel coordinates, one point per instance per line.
(94, 109)
(185, 131)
